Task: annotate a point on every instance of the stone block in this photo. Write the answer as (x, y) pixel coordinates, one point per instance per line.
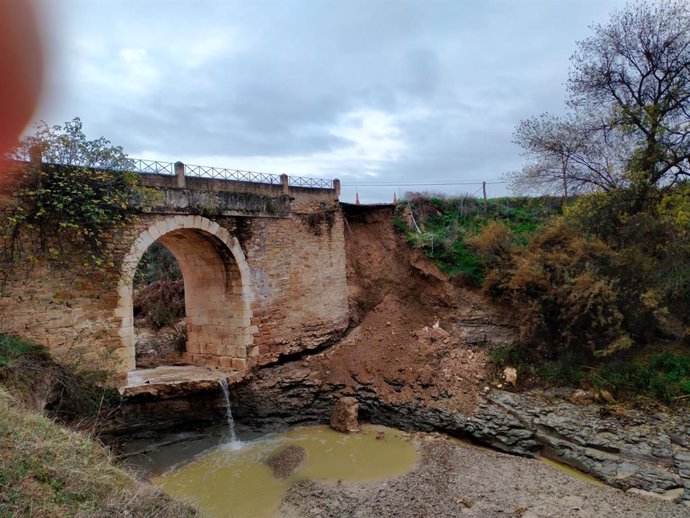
(239, 364)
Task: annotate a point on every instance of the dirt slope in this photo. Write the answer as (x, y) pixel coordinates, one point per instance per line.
(419, 337)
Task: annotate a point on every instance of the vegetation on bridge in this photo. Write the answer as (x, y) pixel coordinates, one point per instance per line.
(71, 202)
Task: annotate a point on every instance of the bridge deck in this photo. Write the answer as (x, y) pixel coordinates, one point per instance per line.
(169, 380)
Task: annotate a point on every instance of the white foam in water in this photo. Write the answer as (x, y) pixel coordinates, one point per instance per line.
(233, 445)
(233, 442)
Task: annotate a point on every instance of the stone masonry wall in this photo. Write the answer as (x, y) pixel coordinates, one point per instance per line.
(296, 279)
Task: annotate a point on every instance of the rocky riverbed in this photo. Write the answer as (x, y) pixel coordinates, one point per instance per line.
(628, 449)
(455, 479)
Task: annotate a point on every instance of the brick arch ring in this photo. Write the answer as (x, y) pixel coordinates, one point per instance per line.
(218, 294)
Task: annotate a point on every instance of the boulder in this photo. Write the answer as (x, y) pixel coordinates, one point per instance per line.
(286, 461)
(438, 333)
(581, 397)
(344, 415)
(510, 375)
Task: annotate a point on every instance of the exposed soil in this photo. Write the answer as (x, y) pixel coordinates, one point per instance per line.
(420, 337)
(455, 479)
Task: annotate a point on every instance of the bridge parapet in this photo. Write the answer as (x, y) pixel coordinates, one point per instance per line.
(223, 178)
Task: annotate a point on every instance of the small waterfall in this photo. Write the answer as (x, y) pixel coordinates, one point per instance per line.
(233, 441)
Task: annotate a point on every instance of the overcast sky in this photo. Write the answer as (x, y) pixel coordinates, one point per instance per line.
(369, 91)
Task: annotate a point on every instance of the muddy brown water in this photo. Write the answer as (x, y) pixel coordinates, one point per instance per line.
(232, 480)
(223, 478)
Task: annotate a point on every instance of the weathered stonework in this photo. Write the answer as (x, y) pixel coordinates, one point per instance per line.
(263, 267)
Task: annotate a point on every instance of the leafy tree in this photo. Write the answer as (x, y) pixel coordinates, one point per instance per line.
(67, 144)
(72, 199)
(629, 97)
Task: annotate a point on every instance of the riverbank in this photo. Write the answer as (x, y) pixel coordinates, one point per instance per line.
(48, 470)
(457, 479)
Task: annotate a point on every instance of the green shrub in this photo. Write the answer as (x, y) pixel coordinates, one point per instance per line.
(663, 377)
(14, 348)
(449, 225)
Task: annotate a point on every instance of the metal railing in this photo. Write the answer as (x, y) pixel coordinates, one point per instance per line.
(222, 173)
(314, 183)
(139, 165)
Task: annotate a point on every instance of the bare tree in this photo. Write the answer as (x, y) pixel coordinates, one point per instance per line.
(629, 97)
(568, 156)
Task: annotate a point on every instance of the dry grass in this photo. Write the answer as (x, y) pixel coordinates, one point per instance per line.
(47, 470)
(160, 303)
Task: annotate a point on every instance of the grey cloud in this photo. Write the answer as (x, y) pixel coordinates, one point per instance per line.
(474, 69)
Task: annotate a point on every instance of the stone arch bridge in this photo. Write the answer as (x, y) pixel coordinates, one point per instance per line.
(263, 263)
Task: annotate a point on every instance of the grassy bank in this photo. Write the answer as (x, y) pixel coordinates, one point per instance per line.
(47, 469)
(445, 226)
(653, 374)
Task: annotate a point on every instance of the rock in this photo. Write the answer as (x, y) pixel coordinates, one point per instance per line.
(438, 333)
(581, 397)
(286, 461)
(344, 416)
(606, 396)
(636, 450)
(672, 495)
(510, 375)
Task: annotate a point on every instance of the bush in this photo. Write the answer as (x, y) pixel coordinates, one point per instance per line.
(559, 288)
(160, 304)
(653, 253)
(449, 225)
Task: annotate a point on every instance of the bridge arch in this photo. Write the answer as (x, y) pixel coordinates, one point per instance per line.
(217, 291)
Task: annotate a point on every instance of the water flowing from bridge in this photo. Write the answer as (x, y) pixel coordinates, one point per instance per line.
(233, 442)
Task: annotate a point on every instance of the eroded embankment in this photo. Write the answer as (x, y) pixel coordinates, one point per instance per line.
(416, 360)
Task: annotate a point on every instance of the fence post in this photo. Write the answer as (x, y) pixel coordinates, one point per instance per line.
(179, 173)
(35, 157)
(484, 190)
(36, 161)
(284, 181)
